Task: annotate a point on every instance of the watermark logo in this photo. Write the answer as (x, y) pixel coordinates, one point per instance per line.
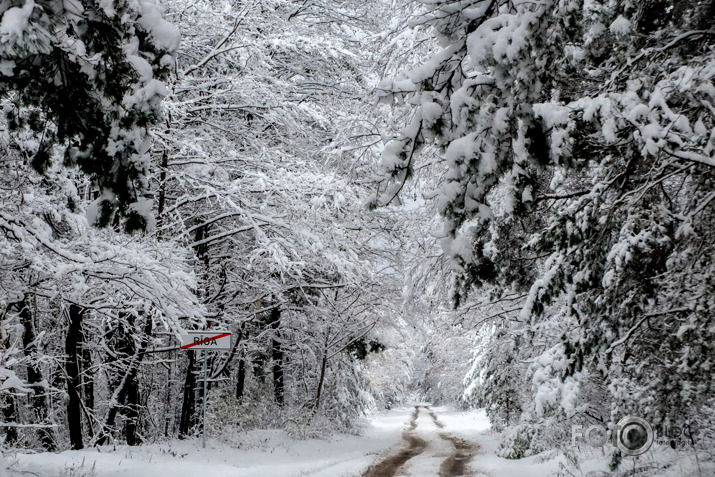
(632, 435)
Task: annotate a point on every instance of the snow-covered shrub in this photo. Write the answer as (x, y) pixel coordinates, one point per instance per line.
(521, 441)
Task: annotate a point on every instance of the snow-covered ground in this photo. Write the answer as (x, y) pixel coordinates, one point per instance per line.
(269, 453)
(419, 441)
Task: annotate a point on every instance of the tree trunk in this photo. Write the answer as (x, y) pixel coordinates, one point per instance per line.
(277, 355)
(162, 188)
(167, 397)
(188, 406)
(131, 412)
(241, 380)
(9, 409)
(9, 413)
(241, 377)
(72, 343)
(87, 380)
(126, 387)
(323, 365)
(34, 377)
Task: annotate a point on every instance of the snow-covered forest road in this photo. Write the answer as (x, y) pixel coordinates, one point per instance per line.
(414, 441)
(437, 441)
(426, 441)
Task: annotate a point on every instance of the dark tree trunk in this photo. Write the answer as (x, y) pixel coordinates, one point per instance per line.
(9, 413)
(277, 355)
(34, 376)
(188, 406)
(9, 410)
(128, 384)
(131, 412)
(167, 397)
(162, 187)
(202, 251)
(74, 409)
(323, 365)
(258, 363)
(87, 375)
(241, 379)
(132, 407)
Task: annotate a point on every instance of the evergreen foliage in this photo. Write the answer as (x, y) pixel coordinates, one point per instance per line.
(578, 141)
(86, 77)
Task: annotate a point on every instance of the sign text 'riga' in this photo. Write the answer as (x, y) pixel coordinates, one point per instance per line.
(206, 340)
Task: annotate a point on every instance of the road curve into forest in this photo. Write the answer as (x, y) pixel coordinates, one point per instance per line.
(425, 440)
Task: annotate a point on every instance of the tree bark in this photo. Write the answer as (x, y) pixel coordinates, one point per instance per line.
(131, 412)
(162, 188)
(9, 413)
(72, 343)
(241, 376)
(167, 397)
(277, 355)
(34, 377)
(188, 406)
(9, 408)
(87, 380)
(323, 365)
(125, 389)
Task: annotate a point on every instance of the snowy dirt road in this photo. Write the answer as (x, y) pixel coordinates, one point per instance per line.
(415, 441)
(428, 442)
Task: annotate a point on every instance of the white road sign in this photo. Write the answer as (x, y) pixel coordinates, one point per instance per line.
(208, 339)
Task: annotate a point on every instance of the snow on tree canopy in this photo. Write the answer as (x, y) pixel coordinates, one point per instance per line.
(85, 77)
(589, 126)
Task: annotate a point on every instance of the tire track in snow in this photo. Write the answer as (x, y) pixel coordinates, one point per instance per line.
(457, 463)
(389, 466)
(434, 417)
